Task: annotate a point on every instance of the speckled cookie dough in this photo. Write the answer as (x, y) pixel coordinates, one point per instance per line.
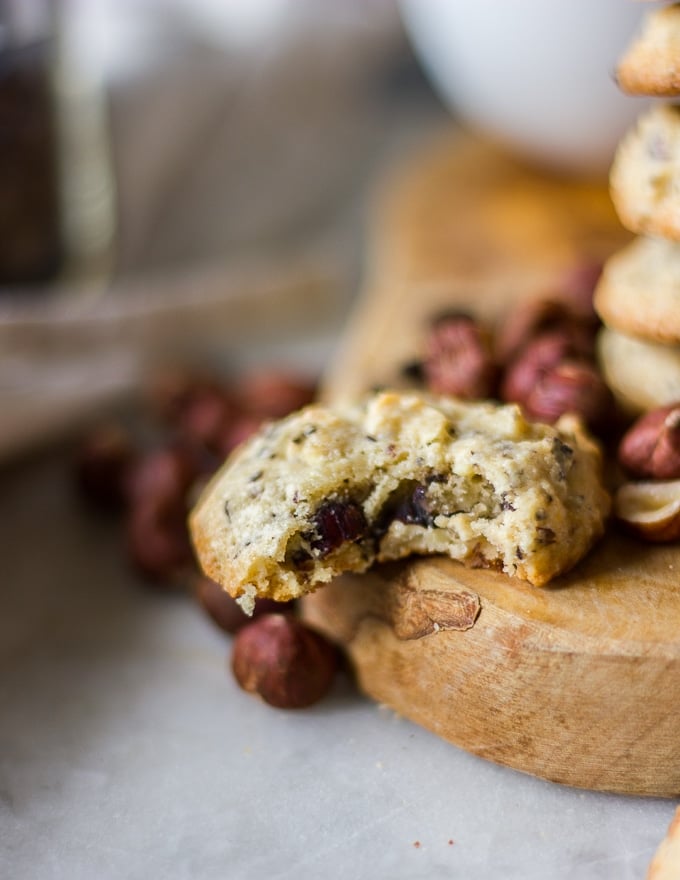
(332, 489)
(642, 375)
(639, 290)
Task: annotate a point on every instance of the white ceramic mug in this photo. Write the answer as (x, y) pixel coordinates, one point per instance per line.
(536, 74)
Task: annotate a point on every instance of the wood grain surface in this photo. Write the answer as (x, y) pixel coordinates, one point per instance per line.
(578, 682)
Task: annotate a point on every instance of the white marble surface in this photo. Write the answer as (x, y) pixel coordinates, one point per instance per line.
(126, 750)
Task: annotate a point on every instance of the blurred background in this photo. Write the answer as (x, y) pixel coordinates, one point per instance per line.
(189, 179)
(185, 177)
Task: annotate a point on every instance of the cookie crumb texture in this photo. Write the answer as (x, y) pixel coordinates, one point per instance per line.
(335, 489)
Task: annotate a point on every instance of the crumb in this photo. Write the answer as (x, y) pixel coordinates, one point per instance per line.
(247, 600)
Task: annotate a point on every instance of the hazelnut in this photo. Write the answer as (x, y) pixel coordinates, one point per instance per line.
(236, 432)
(171, 391)
(650, 510)
(225, 610)
(539, 316)
(578, 287)
(570, 387)
(541, 354)
(203, 418)
(272, 394)
(651, 446)
(282, 660)
(102, 465)
(458, 359)
(158, 540)
(163, 475)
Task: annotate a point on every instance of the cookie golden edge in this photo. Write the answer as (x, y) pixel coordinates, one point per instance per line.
(638, 292)
(642, 375)
(645, 174)
(651, 64)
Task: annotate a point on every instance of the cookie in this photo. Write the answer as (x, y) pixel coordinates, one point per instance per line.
(638, 292)
(651, 65)
(336, 488)
(642, 375)
(645, 175)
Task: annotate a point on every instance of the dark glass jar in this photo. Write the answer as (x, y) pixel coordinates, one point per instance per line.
(30, 239)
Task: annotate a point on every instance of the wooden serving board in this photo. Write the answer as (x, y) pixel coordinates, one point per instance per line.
(578, 682)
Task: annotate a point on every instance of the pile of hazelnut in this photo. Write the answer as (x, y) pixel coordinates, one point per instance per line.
(543, 357)
(148, 471)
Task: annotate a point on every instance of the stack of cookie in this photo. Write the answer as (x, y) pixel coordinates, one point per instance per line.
(638, 295)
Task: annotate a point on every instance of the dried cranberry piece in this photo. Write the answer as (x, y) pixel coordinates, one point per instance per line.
(414, 509)
(336, 522)
(408, 504)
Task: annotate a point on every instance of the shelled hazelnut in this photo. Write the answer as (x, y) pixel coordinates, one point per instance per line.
(283, 661)
(204, 417)
(577, 287)
(458, 358)
(234, 433)
(539, 355)
(165, 473)
(536, 317)
(158, 541)
(570, 387)
(171, 391)
(651, 446)
(268, 393)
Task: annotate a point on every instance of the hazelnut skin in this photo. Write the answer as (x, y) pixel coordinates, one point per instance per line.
(539, 316)
(203, 418)
(172, 391)
(225, 610)
(578, 287)
(287, 664)
(163, 475)
(570, 387)
(541, 354)
(651, 446)
(158, 540)
(102, 465)
(237, 432)
(458, 359)
(268, 393)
